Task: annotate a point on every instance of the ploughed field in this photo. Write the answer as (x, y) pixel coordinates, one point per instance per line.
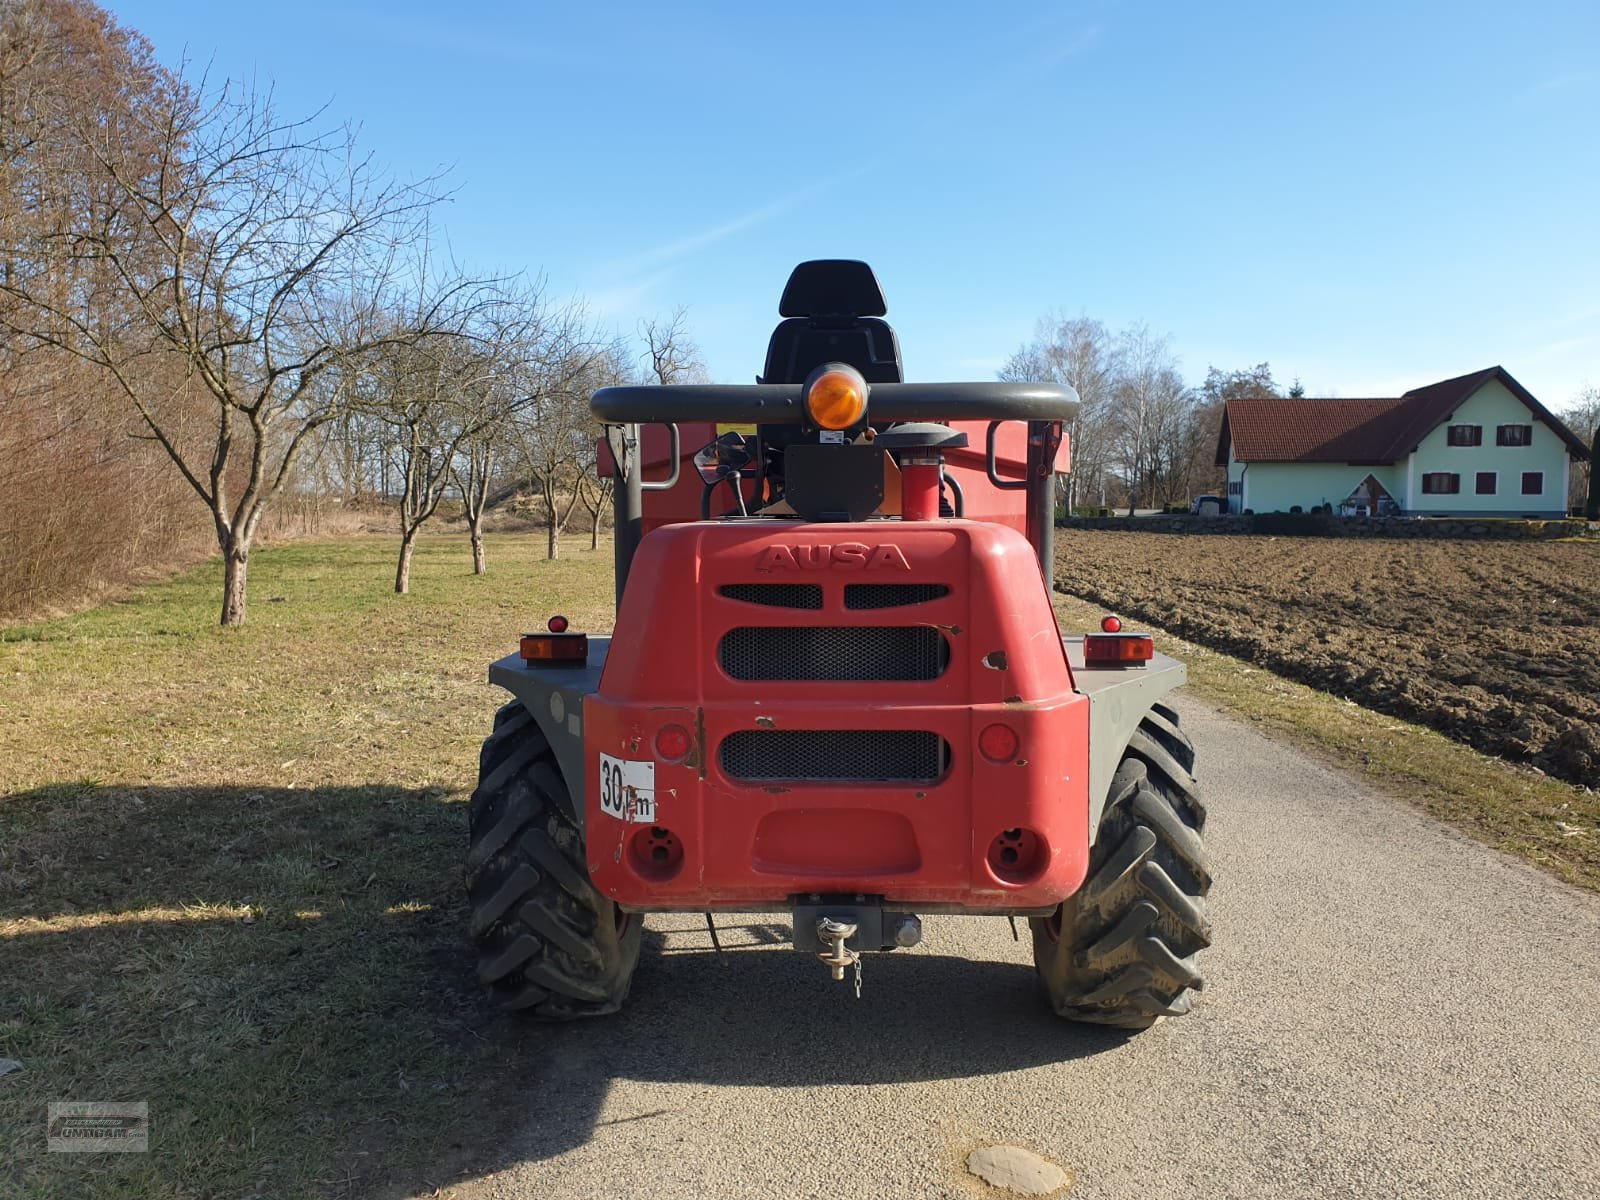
(1496, 644)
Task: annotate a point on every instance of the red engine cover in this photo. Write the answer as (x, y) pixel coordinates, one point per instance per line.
(835, 682)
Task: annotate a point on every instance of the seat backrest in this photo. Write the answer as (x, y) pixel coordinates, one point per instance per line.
(832, 309)
(801, 344)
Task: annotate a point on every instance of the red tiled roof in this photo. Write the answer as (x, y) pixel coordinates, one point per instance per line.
(1307, 430)
(1360, 431)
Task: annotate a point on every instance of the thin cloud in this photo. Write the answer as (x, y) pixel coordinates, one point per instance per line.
(625, 299)
(1563, 347)
(627, 282)
(1076, 44)
(1560, 83)
(683, 247)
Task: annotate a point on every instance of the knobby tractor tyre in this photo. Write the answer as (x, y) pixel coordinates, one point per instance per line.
(1122, 951)
(549, 944)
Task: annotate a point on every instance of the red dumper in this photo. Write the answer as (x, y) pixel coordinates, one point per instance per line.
(836, 689)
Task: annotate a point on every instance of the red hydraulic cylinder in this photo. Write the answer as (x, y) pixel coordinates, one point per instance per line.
(919, 489)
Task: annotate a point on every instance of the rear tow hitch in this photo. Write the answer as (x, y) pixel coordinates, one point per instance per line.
(838, 956)
(840, 929)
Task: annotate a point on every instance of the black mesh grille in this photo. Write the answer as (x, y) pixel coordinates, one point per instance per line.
(836, 755)
(891, 595)
(775, 595)
(831, 653)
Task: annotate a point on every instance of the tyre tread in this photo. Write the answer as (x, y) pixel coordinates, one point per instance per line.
(549, 944)
(1122, 951)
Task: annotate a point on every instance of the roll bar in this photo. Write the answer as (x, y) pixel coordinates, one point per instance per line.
(1042, 405)
(779, 403)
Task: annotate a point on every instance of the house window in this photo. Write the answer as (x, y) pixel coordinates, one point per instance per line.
(1464, 435)
(1441, 483)
(1514, 435)
(1533, 483)
(1486, 483)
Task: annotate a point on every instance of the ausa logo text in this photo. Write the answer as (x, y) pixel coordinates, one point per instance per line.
(846, 556)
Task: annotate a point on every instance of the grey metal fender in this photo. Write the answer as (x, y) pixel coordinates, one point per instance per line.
(1119, 697)
(555, 696)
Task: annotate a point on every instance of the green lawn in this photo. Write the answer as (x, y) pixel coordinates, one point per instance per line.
(229, 869)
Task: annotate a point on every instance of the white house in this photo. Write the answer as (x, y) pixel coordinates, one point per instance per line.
(1477, 445)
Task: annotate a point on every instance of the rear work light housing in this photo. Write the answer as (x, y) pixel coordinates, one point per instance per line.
(1117, 649)
(555, 649)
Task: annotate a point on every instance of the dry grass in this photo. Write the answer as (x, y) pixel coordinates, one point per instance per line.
(230, 862)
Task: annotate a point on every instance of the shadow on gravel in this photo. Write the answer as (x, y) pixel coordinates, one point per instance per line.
(282, 975)
(767, 1017)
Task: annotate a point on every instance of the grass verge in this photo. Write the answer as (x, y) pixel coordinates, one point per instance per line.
(230, 865)
(1551, 824)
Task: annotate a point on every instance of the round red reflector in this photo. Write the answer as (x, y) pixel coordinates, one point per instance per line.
(655, 853)
(998, 743)
(1111, 624)
(672, 741)
(557, 624)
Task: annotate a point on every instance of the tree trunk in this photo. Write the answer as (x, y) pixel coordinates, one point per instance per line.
(402, 574)
(235, 567)
(553, 537)
(594, 532)
(479, 566)
(1591, 506)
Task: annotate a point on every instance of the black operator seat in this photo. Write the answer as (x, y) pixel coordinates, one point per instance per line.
(832, 309)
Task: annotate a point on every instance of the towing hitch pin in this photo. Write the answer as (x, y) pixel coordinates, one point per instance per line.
(838, 956)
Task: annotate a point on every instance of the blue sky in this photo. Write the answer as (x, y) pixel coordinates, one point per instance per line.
(1368, 196)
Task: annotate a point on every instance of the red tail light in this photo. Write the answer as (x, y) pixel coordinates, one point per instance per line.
(555, 649)
(1117, 649)
(673, 742)
(998, 743)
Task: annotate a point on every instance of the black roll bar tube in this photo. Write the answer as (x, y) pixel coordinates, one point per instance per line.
(779, 403)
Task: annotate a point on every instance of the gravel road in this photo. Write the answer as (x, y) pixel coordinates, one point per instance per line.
(1391, 1010)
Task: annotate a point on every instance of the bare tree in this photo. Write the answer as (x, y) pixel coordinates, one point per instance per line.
(1148, 395)
(1582, 416)
(1211, 402)
(671, 355)
(473, 469)
(1080, 353)
(81, 501)
(553, 437)
(595, 490)
(416, 390)
(353, 451)
(447, 398)
(265, 255)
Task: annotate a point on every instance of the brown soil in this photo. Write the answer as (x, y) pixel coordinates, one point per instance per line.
(1496, 644)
